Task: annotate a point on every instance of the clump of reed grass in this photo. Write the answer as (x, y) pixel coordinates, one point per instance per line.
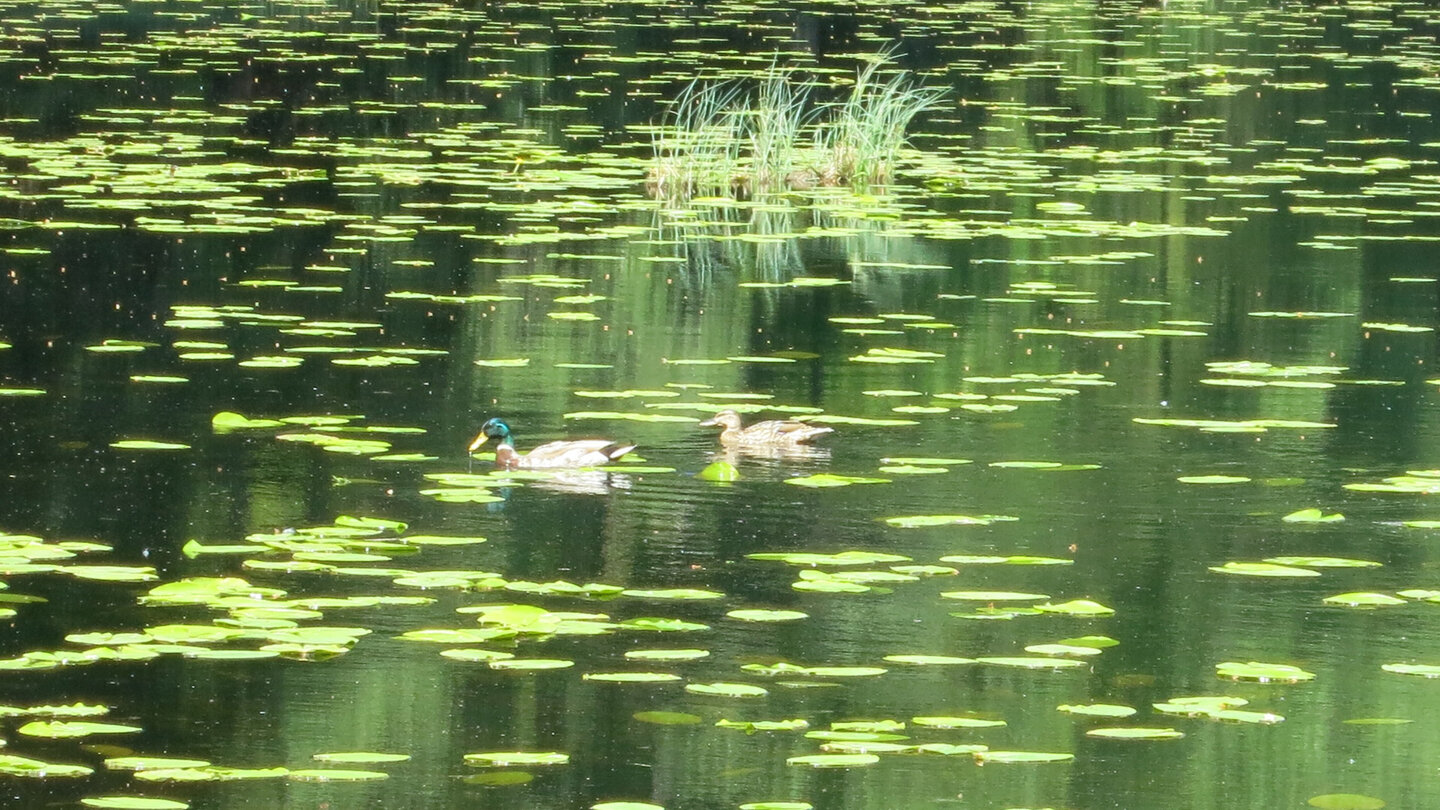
(867, 131)
(697, 148)
(725, 139)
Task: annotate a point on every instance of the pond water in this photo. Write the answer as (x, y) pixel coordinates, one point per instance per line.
(1130, 370)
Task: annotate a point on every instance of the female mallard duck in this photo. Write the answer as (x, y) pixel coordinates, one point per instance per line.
(774, 433)
(574, 453)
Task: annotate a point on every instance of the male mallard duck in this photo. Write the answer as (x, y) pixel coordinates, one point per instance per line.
(774, 433)
(573, 453)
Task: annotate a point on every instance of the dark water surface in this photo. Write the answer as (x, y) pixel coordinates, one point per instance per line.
(1111, 197)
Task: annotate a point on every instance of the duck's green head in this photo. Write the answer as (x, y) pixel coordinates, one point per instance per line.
(492, 429)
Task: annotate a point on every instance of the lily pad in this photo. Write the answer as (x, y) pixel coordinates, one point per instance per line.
(1262, 672)
(1135, 733)
(834, 760)
(504, 759)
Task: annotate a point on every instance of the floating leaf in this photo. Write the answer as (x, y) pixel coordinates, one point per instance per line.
(1313, 516)
(1263, 570)
(1135, 733)
(827, 480)
(335, 775)
(360, 757)
(667, 655)
(147, 444)
(631, 677)
(672, 593)
(1360, 599)
(1020, 757)
(722, 689)
(13, 765)
(503, 759)
(229, 420)
(531, 664)
(922, 521)
(752, 726)
(839, 558)
(1097, 710)
(834, 760)
(929, 660)
(133, 803)
(1262, 673)
(1345, 801)
(1423, 670)
(1076, 607)
(721, 471)
(61, 729)
(1323, 562)
(758, 615)
(1025, 662)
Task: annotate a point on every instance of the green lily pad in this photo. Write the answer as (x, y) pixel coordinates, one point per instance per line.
(753, 726)
(62, 729)
(759, 615)
(1263, 570)
(1345, 801)
(133, 803)
(1262, 672)
(929, 660)
(1423, 670)
(335, 775)
(828, 480)
(1135, 733)
(505, 759)
(12, 765)
(360, 757)
(1323, 562)
(839, 558)
(1097, 709)
(1020, 757)
(924, 521)
(531, 664)
(1076, 607)
(667, 655)
(631, 677)
(721, 471)
(722, 689)
(229, 420)
(1366, 600)
(1313, 516)
(139, 763)
(834, 760)
(1035, 662)
(147, 444)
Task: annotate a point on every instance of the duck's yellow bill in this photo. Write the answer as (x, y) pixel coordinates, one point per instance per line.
(479, 440)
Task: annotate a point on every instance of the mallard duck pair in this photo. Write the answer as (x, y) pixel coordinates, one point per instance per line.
(771, 434)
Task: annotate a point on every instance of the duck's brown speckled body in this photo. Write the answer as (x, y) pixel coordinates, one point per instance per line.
(771, 433)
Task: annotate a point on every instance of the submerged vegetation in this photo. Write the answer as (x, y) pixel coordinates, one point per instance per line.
(725, 138)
